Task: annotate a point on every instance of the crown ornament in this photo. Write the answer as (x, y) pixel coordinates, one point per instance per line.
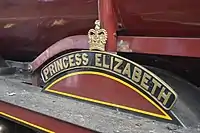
(97, 37)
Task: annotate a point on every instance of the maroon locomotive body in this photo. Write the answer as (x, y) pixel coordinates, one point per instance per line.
(138, 56)
(28, 27)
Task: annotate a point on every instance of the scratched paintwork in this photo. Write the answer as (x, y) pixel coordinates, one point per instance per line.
(91, 116)
(28, 27)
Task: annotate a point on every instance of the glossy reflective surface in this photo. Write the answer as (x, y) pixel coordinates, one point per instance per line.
(160, 17)
(40, 122)
(3, 128)
(104, 89)
(28, 27)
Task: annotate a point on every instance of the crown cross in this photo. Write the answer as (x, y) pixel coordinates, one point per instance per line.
(97, 37)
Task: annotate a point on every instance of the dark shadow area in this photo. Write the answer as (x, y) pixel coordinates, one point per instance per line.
(185, 67)
(12, 127)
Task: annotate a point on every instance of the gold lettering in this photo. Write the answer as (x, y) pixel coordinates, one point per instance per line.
(71, 60)
(55, 66)
(78, 59)
(98, 60)
(156, 85)
(146, 77)
(136, 74)
(65, 64)
(111, 63)
(51, 69)
(119, 63)
(46, 72)
(127, 70)
(85, 59)
(164, 95)
(59, 64)
(104, 62)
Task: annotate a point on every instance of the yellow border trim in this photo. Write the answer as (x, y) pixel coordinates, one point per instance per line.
(26, 123)
(115, 55)
(165, 116)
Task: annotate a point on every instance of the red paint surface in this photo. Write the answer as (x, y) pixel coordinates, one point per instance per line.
(35, 29)
(109, 22)
(151, 45)
(160, 17)
(104, 89)
(41, 120)
(41, 23)
(69, 43)
(164, 46)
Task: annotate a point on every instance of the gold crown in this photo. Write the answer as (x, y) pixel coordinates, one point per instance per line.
(97, 37)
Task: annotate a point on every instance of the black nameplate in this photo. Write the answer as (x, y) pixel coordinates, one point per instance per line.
(127, 70)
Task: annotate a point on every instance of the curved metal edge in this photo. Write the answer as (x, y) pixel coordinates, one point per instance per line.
(130, 61)
(186, 108)
(4, 127)
(73, 42)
